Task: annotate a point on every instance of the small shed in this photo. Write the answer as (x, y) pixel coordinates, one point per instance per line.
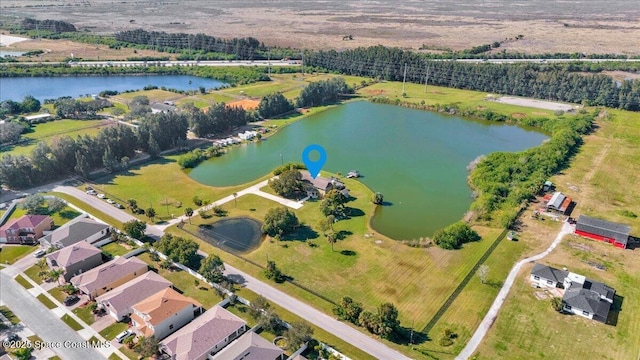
(548, 186)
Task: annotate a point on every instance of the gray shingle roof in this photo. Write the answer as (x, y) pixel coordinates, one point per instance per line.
(549, 273)
(132, 292)
(250, 346)
(70, 255)
(75, 231)
(108, 273)
(617, 231)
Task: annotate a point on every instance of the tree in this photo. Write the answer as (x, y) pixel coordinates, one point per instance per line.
(188, 212)
(454, 235)
(166, 264)
(235, 199)
(212, 268)
(274, 104)
(287, 184)
(151, 213)
(279, 221)
(55, 274)
(10, 132)
(273, 273)
(42, 263)
(556, 303)
(23, 353)
(333, 203)
(180, 250)
(348, 310)
(29, 104)
(33, 204)
(56, 204)
(388, 316)
(135, 228)
(197, 201)
(378, 198)
(483, 271)
(69, 289)
(331, 238)
(298, 334)
(258, 306)
(147, 346)
(132, 204)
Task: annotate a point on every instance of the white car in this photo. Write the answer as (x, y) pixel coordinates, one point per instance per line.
(101, 196)
(92, 192)
(39, 253)
(110, 201)
(123, 335)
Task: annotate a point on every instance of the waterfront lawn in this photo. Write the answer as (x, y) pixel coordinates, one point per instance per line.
(149, 188)
(152, 95)
(44, 299)
(115, 249)
(6, 312)
(372, 269)
(112, 330)
(12, 253)
(46, 131)
(204, 100)
(71, 322)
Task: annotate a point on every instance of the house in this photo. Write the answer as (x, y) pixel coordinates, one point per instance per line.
(161, 108)
(247, 135)
(80, 229)
(27, 229)
(75, 259)
(558, 202)
(118, 302)
(353, 174)
(163, 313)
(38, 118)
(582, 296)
(602, 230)
(319, 186)
(250, 346)
(205, 336)
(108, 276)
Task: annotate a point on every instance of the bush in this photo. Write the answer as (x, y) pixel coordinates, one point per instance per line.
(454, 235)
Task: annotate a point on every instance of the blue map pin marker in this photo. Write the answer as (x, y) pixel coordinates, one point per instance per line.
(314, 167)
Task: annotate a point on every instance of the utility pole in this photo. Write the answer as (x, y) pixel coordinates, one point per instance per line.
(269, 62)
(426, 80)
(303, 64)
(404, 78)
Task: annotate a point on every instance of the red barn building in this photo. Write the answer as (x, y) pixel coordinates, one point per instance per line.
(602, 230)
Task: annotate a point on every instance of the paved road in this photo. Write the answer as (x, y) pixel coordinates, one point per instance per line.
(316, 317)
(491, 316)
(221, 63)
(42, 321)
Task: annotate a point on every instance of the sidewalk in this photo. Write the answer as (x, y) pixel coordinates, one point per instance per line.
(86, 333)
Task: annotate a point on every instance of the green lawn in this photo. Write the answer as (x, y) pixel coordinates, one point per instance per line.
(112, 330)
(114, 357)
(47, 131)
(115, 249)
(46, 301)
(85, 314)
(12, 253)
(99, 214)
(33, 271)
(34, 338)
(58, 294)
(130, 353)
(63, 216)
(6, 312)
(22, 281)
(57, 358)
(71, 322)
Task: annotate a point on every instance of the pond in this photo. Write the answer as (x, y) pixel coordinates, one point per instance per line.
(416, 159)
(42, 87)
(237, 235)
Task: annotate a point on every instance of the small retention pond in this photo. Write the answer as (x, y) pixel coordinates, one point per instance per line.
(416, 159)
(237, 235)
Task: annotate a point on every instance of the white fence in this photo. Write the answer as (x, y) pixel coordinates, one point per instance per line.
(7, 213)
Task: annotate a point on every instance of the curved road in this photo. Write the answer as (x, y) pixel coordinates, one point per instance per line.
(42, 321)
(491, 316)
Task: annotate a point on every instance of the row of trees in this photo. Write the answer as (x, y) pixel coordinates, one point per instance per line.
(195, 157)
(383, 323)
(28, 105)
(55, 26)
(553, 81)
(323, 92)
(218, 119)
(112, 148)
(274, 104)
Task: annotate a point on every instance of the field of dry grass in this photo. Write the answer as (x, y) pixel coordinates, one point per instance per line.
(591, 27)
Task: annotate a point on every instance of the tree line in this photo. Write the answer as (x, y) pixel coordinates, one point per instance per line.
(552, 82)
(55, 26)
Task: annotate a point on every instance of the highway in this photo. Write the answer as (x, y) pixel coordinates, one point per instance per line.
(169, 63)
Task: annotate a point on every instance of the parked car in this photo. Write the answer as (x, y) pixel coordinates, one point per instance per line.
(71, 299)
(88, 188)
(92, 192)
(119, 206)
(39, 253)
(10, 338)
(101, 196)
(123, 335)
(110, 201)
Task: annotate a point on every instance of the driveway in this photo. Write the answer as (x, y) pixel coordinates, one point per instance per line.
(42, 321)
(491, 316)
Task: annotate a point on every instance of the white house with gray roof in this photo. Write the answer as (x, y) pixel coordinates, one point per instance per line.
(582, 296)
(79, 229)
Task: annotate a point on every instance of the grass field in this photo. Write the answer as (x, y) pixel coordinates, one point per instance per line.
(47, 131)
(58, 294)
(99, 214)
(112, 330)
(32, 273)
(85, 314)
(46, 301)
(115, 249)
(6, 312)
(13, 253)
(71, 322)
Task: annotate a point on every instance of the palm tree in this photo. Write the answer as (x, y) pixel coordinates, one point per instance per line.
(235, 199)
(55, 274)
(23, 353)
(331, 238)
(41, 263)
(330, 220)
(189, 213)
(151, 213)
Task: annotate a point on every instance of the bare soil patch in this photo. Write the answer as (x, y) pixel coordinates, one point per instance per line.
(247, 104)
(519, 115)
(534, 103)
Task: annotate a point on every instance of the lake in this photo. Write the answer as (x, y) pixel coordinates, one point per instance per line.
(416, 159)
(16, 88)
